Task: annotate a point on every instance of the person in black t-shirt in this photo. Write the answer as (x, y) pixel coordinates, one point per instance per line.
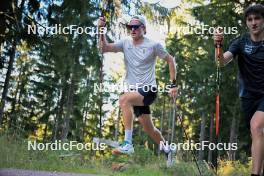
(249, 50)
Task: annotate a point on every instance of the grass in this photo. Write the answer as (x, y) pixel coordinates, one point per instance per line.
(14, 154)
(234, 168)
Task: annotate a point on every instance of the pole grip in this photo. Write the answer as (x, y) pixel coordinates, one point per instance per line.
(218, 47)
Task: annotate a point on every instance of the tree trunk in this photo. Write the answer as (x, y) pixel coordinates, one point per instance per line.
(85, 108)
(45, 132)
(55, 128)
(20, 90)
(202, 136)
(18, 14)
(232, 139)
(210, 152)
(14, 101)
(59, 115)
(69, 107)
(7, 79)
(84, 115)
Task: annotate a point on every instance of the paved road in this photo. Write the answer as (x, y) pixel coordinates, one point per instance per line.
(19, 172)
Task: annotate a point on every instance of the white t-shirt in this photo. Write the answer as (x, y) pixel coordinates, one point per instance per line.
(140, 60)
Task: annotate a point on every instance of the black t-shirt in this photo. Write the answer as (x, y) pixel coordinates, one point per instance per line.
(251, 65)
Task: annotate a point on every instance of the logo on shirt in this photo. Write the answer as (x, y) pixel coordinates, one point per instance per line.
(250, 48)
(146, 51)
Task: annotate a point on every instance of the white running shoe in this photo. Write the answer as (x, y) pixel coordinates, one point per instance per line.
(170, 158)
(125, 148)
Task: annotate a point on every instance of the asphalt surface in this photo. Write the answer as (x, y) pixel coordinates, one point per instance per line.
(19, 172)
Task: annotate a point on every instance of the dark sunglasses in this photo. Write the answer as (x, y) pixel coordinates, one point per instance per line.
(135, 27)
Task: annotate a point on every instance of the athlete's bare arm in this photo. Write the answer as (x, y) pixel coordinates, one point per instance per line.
(104, 45)
(172, 67)
(170, 60)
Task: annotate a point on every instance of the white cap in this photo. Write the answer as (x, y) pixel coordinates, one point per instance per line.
(140, 18)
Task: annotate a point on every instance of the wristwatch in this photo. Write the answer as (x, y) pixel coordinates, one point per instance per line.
(173, 84)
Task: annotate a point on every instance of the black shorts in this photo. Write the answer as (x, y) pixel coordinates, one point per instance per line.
(250, 105)
(149, 94)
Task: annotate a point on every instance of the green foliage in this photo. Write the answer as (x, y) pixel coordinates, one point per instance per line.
(143, 156)
(51, 89)
(14, 154)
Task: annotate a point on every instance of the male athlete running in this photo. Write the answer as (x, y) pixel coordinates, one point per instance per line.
(250, 51)
(140, 57)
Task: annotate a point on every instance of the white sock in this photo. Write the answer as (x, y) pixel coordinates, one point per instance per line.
(165, 148)
(128, 136)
